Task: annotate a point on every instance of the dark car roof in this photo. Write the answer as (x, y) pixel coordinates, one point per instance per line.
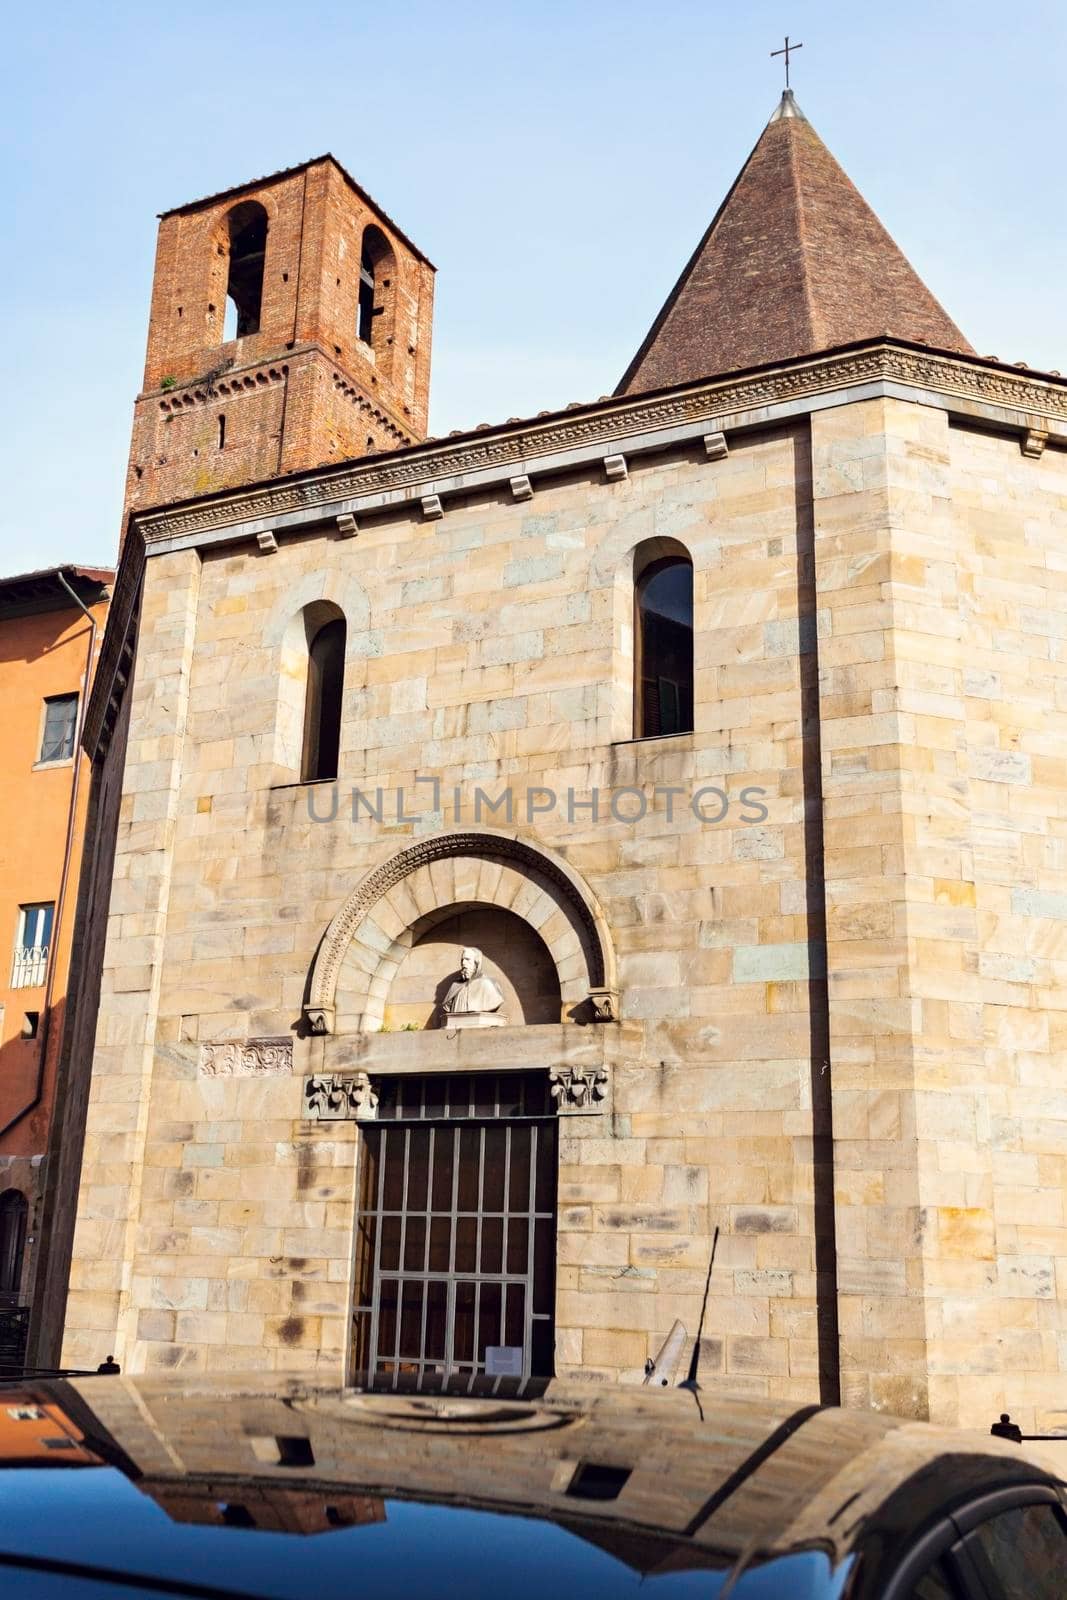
(229, 1486)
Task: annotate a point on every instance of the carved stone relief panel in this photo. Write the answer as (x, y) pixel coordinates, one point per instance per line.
(246, 1058)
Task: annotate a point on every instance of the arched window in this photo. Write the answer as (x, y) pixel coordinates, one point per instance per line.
(246, 225)
(322, 707)
(13, 1209)
(376, 268)
(663, 647)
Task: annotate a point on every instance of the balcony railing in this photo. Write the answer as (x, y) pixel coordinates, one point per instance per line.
(29, 966)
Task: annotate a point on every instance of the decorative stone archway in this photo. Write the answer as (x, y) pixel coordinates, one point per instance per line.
(367, 940)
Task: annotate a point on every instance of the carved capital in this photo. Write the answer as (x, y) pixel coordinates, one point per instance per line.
(249, 1058)
(605, 1004)
(340, 1097)
(578, 1091)
(319, 1019)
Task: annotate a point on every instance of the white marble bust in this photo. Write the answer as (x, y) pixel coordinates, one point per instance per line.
(472, 995)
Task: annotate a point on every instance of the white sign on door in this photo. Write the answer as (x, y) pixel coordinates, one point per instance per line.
(503, 1361)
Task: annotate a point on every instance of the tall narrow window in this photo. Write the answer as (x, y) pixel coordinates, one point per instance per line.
(322, 709)
(247, 228)
(32, 943)
(366, 299)
(13, 1211)
(664, 648)
(60, 723)
(222, 430)
(375, 283)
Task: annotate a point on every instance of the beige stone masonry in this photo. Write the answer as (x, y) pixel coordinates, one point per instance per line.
(943, 729)
(101, 1306)
(879, 733)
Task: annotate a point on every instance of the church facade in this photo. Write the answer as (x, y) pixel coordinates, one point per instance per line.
(519, 855)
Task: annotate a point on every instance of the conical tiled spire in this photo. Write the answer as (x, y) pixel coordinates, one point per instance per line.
(795, 261)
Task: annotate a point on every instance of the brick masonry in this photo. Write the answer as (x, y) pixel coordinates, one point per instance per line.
(794, 261)
(305, 389)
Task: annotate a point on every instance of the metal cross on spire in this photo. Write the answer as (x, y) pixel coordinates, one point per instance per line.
(787, 51)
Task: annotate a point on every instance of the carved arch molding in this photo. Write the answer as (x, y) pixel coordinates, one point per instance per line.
(364, 945)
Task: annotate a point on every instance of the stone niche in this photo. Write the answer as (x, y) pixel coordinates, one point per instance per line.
(513, 955)
(392, 949)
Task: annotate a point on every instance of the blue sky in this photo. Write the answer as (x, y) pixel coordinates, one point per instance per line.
(557, 162)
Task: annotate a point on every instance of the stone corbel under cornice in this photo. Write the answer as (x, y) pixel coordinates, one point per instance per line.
(985, 392)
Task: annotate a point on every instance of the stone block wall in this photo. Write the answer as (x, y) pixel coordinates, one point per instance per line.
(941, 607)
(839, 991)
(485, 651)
(998, 1002)
(109, 1215)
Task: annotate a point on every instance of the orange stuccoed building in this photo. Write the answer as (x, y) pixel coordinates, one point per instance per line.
(51, 623)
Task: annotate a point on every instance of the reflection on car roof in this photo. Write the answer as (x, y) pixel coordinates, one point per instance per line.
(662, 1481)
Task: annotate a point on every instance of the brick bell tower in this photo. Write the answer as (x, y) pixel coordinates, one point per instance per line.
(290, 327)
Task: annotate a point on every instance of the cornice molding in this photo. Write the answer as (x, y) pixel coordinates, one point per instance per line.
(350, 391)
(220, 385)
(512, 446)
(1032, 403)
(231, 382)
(115, 664)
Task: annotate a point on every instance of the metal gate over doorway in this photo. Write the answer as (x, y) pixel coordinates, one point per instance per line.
(456, 1232)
